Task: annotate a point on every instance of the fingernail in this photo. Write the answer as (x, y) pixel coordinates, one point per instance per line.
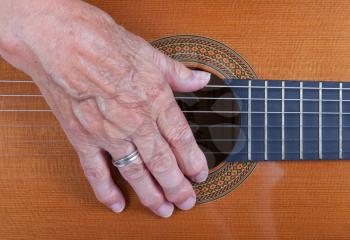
(165, 210)
(117, 207)
(188, 204)
(204, 77)
(201, 177)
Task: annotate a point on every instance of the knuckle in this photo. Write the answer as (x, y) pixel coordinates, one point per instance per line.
(85, 113)
(107, 198)
(104, 17)
(193, 161)
(79, 91)
(9, 45)
(179, 194)
(161, 162)
(84, 149)
(153, 201)
(161, 59)
(131, 100)
(126, 69)
(107, 107)
(74, 84)
(146, 130)
(181, 136)
(193, 169)
(158, 57)
(96, 174)
(156, 88)
(135, 172)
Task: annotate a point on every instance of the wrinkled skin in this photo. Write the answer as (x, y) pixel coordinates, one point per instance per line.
(111, 92)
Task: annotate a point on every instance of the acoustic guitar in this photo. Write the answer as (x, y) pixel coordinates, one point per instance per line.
(277, 148)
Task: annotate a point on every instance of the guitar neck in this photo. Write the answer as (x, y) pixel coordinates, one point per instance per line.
(292, 120)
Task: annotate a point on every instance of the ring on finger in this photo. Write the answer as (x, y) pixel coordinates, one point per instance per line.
(122, 162)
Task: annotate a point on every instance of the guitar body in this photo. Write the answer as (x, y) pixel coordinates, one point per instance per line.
(44, 194)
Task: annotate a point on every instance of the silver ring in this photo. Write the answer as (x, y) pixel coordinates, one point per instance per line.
(126, 160)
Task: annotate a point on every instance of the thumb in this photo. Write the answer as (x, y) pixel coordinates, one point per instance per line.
(179, 77)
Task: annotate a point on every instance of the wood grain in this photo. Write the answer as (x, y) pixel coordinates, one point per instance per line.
(44, 194)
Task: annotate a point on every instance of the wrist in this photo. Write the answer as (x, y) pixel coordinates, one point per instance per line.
(6, 10)
(21, 18)
(17, 19)
(11, 13)
(16, 15)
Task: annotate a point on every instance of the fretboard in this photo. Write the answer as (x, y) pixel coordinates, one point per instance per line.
(292, 120)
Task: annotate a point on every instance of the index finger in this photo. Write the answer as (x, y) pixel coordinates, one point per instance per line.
(175, 129)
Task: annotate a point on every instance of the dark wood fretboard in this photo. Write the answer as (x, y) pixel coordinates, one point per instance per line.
(291, 120)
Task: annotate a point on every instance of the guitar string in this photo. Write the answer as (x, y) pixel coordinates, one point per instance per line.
(201, 126)
(16, 81)
(215, 112)
(203, 140)
(296, 153)
(246, 87)
(261, 126)
(260, 112)
(239, 86)
(315, 141)
(208, 98)
(206, 153)
(275, 87)
(262, 140)
(262, 99)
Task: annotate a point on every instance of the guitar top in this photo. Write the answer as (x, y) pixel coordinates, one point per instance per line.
(249, 129)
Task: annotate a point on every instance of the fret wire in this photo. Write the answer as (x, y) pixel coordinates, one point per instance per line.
(301, 121)
(340, 121)
(283, 137)
(249, 120)
(265, 122)
(320, 121)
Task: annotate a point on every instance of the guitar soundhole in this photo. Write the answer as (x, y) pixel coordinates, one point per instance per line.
(214, 130)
